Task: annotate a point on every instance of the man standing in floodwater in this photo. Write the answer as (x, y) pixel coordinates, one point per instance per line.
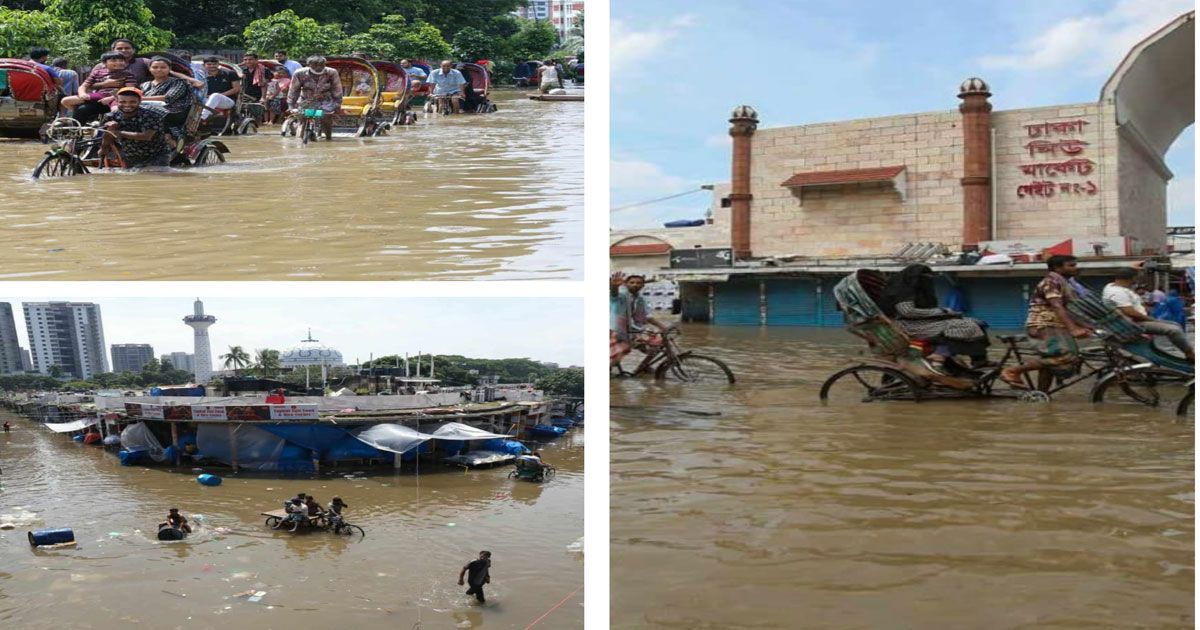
(1051, 327)
(628, 315)
(477, 572)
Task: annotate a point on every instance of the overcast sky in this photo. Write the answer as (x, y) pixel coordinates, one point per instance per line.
(679, 67)
(543, 329)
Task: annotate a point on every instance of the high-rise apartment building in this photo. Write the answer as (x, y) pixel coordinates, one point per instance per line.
(10, 348)
(562, 14)
(131, 357)
(69, 335)
(179, 361)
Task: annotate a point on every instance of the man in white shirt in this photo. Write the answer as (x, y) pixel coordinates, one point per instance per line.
(448, 82)
(1120, 294)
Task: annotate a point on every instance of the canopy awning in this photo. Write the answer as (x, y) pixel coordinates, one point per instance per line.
(639, 250)
(67, 427)
(894, 174)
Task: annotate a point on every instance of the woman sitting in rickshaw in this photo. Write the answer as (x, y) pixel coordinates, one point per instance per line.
(910, 300)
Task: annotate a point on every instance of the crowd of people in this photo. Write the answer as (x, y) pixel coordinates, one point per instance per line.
(909, 299)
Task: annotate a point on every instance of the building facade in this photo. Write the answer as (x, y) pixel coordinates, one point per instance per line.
(69, 335)
(131, 357)
(180, 361)
(26, 360)
(808, 204)
(10, 348)
(563, 15)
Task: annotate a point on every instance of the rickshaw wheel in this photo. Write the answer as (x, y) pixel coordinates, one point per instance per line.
(209, 156)
(58, 165)
(249, 127)
(1146, 385)
(271, 521)
(695, 368)
(874, 382)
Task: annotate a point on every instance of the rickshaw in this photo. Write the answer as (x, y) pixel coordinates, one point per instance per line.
(320, 522)
(394, 95)
(28, 99)
(240, 120)
(250, 113)
(418, 96)
(79, 148)
(528, 468)
(479, 85)
(1126, 361)
(526, 74)
(359, 114)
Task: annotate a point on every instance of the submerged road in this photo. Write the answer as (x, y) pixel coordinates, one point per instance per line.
(497, 196)
(418, 536)
(783, 513)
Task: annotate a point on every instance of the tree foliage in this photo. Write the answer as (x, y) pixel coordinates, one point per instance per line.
(287, 31)
(471, 44)
(21, 30)
(535, 40)
(101, 21)
(566, 382)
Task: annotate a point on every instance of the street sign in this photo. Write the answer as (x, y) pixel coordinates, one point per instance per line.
(701, 258)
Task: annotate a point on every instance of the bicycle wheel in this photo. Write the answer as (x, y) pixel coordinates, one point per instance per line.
(1143, 385)
(249, 127)
(866, 383)
(209, 156)
(351, 530)
(272, 521)
(58, 165)
(694, 368)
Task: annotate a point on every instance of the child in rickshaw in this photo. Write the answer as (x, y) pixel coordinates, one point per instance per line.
(276, 95)
(97, 94)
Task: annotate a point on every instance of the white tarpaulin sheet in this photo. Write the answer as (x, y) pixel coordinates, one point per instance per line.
(137, 437)
(67, 427)
(401, 439)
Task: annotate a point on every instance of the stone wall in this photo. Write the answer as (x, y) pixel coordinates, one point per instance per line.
(1143, 195)
(858, 219)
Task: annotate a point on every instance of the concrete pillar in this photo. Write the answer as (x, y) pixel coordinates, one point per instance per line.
(977, 162)
(743, 122)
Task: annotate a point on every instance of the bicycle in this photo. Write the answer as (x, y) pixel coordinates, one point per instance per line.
(668, 361)
(339, 526)
(305, 123)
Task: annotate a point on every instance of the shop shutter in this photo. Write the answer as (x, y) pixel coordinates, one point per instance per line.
(694, 296)
(831, 317)
(793, 302)
(735, 303)
(1001, 302)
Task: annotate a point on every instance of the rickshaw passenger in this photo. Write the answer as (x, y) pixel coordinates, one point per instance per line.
(174, 95)
(140, 131)
(292, 66)
(39, 55)
(70, 78)
(317, 87)
(1051, 327)
(911, 301)
(416, 74)
(223, 86)
(1120, 295)
(628, 316)
(97, 93)
(276, 95)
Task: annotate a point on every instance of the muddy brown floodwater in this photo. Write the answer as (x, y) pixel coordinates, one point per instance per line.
(498, 196)
(782, 513)
(402, 572)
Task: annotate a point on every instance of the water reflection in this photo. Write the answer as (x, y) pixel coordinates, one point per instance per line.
(948, 514)
(492, 197)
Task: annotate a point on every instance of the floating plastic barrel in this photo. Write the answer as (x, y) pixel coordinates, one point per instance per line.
(78, 438)
(170, 533)
(129, 458)
(51, 536)
(209, 480)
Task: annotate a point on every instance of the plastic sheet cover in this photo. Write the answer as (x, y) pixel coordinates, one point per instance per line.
(393, 437)
(459, 431)
(329, 443)
(256, 449)
(137, 437)
(67, 427)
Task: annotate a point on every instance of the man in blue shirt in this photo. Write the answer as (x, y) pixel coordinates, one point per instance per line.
(70, 78)
(292, 65)
(416, 74)
(448, 82)
(38, 55)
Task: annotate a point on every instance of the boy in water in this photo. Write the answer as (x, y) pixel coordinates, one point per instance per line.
(176, 520)
(477, 572)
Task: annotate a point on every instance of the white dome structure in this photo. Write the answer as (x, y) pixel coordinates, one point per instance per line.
(310, 352)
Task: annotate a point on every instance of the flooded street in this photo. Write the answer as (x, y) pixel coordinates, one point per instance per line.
(418, 536)
(782, 513)
(497, 196)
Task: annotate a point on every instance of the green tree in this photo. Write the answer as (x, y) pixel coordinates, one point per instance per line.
(101, 21)
(565, 382)
(451, 16)
(266, 361)
(236, 359)
(471, 44)
(535, 40)
(21, 30)
(287, 31)
(56, 370)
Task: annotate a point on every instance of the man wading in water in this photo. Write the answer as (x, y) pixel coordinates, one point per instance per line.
(477, 572)
(628, 316)
(1051, 327)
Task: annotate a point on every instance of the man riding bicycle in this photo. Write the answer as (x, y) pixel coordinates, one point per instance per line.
(628, 316)
(448, 83)
(316, 87)
(138, 130)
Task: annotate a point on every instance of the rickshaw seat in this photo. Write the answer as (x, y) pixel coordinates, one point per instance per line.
(388, 101)
(349, 102)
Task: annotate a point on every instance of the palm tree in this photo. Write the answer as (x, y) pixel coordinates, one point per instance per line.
(236, 358)
(266, 361)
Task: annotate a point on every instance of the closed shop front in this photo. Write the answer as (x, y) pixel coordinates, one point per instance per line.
(735, 303)
(793, 302)
(1001, 302)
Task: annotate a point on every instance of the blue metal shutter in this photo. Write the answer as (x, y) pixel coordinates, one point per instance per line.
(793, 302)
(735, 303)
(1001, 302)
(831, 317)
(694, 296)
